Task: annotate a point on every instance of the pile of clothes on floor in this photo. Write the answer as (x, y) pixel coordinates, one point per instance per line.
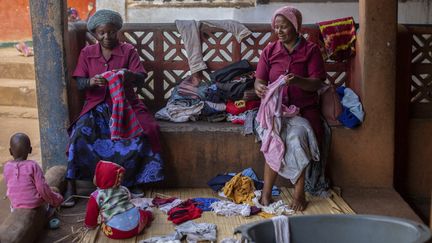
(239, 197)
(229, 97)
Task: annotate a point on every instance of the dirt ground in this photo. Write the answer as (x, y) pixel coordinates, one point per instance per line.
(12, 120)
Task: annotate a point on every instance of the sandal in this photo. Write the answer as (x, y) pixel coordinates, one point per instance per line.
(24, 49)
(69, 200)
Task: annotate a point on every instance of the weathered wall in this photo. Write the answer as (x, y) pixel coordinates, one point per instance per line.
(15, 24)
(414, 11)
(15, 16)
(418, 182)
(82, 7)
(16, 13)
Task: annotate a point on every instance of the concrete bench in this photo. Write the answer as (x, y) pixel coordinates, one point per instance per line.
(197, 151)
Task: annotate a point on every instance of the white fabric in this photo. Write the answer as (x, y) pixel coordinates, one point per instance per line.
(300, 146)
(230, 240)
(171, 238)
(197, 231)
(228, 208)
(275, 208)
(168, 206)
(216, 106)
(281, 229)
(178, 112)
(233, 26)
(189, 31)
(194, 232)
(142, 202)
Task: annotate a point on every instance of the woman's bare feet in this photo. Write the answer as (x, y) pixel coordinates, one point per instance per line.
(299, 198)
(269, 180)
(266, 200)
(299, 202)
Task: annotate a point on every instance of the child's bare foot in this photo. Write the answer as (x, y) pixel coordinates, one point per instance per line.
(299, 200)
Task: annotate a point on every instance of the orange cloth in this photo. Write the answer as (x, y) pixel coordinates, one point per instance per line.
(239, 189)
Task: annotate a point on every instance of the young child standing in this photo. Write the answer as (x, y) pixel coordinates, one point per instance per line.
(120, 218)
(25, 181)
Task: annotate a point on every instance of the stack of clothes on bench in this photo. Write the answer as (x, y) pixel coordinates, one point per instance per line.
(230, 96)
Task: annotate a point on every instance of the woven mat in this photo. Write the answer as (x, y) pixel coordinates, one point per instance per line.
(225, 225)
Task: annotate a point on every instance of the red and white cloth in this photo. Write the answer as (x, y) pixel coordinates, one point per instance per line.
(123, 123)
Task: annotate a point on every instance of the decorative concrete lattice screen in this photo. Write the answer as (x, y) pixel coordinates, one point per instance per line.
(163, 55)
(191, 3)
(421, 71)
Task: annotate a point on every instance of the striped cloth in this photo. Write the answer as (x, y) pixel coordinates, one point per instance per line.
(123, 123)
(339, 37)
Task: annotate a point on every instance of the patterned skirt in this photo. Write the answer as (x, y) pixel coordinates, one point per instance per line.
(90, 141)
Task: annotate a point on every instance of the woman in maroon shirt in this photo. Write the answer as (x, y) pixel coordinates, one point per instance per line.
(302, 62)
(90, 137)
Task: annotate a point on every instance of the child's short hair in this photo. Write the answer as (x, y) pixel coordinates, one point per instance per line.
(20, 144)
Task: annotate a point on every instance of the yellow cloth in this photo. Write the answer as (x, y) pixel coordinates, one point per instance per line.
(239, 189)
(265, 215)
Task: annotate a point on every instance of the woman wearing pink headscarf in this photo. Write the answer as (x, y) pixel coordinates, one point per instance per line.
(302, 63)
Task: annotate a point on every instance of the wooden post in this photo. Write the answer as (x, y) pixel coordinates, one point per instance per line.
(49, 20)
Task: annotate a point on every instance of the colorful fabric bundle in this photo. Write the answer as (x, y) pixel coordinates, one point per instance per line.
(123, 123)
(339, 37)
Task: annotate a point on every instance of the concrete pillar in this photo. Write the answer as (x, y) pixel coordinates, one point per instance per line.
(118, 6)
(48, 19)
(378, 32)
(368, 158)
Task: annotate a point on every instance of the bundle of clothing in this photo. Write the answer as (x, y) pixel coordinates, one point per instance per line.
(230, 97)
(352, 112)
(193, 99)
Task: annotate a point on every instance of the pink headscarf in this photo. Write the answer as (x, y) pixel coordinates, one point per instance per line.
(292, 14)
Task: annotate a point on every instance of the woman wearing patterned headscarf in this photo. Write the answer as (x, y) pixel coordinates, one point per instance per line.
(91, 134)
(302, 64)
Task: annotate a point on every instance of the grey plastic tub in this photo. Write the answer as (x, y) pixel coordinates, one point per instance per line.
(339, 229)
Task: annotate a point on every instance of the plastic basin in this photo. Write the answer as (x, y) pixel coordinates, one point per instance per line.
(339, 229)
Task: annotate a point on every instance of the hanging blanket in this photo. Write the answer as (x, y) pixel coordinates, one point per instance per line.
(123, 123)
(339, 37)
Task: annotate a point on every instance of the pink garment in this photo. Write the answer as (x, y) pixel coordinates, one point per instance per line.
(293, 15)
(269, 118)
(26, 186)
